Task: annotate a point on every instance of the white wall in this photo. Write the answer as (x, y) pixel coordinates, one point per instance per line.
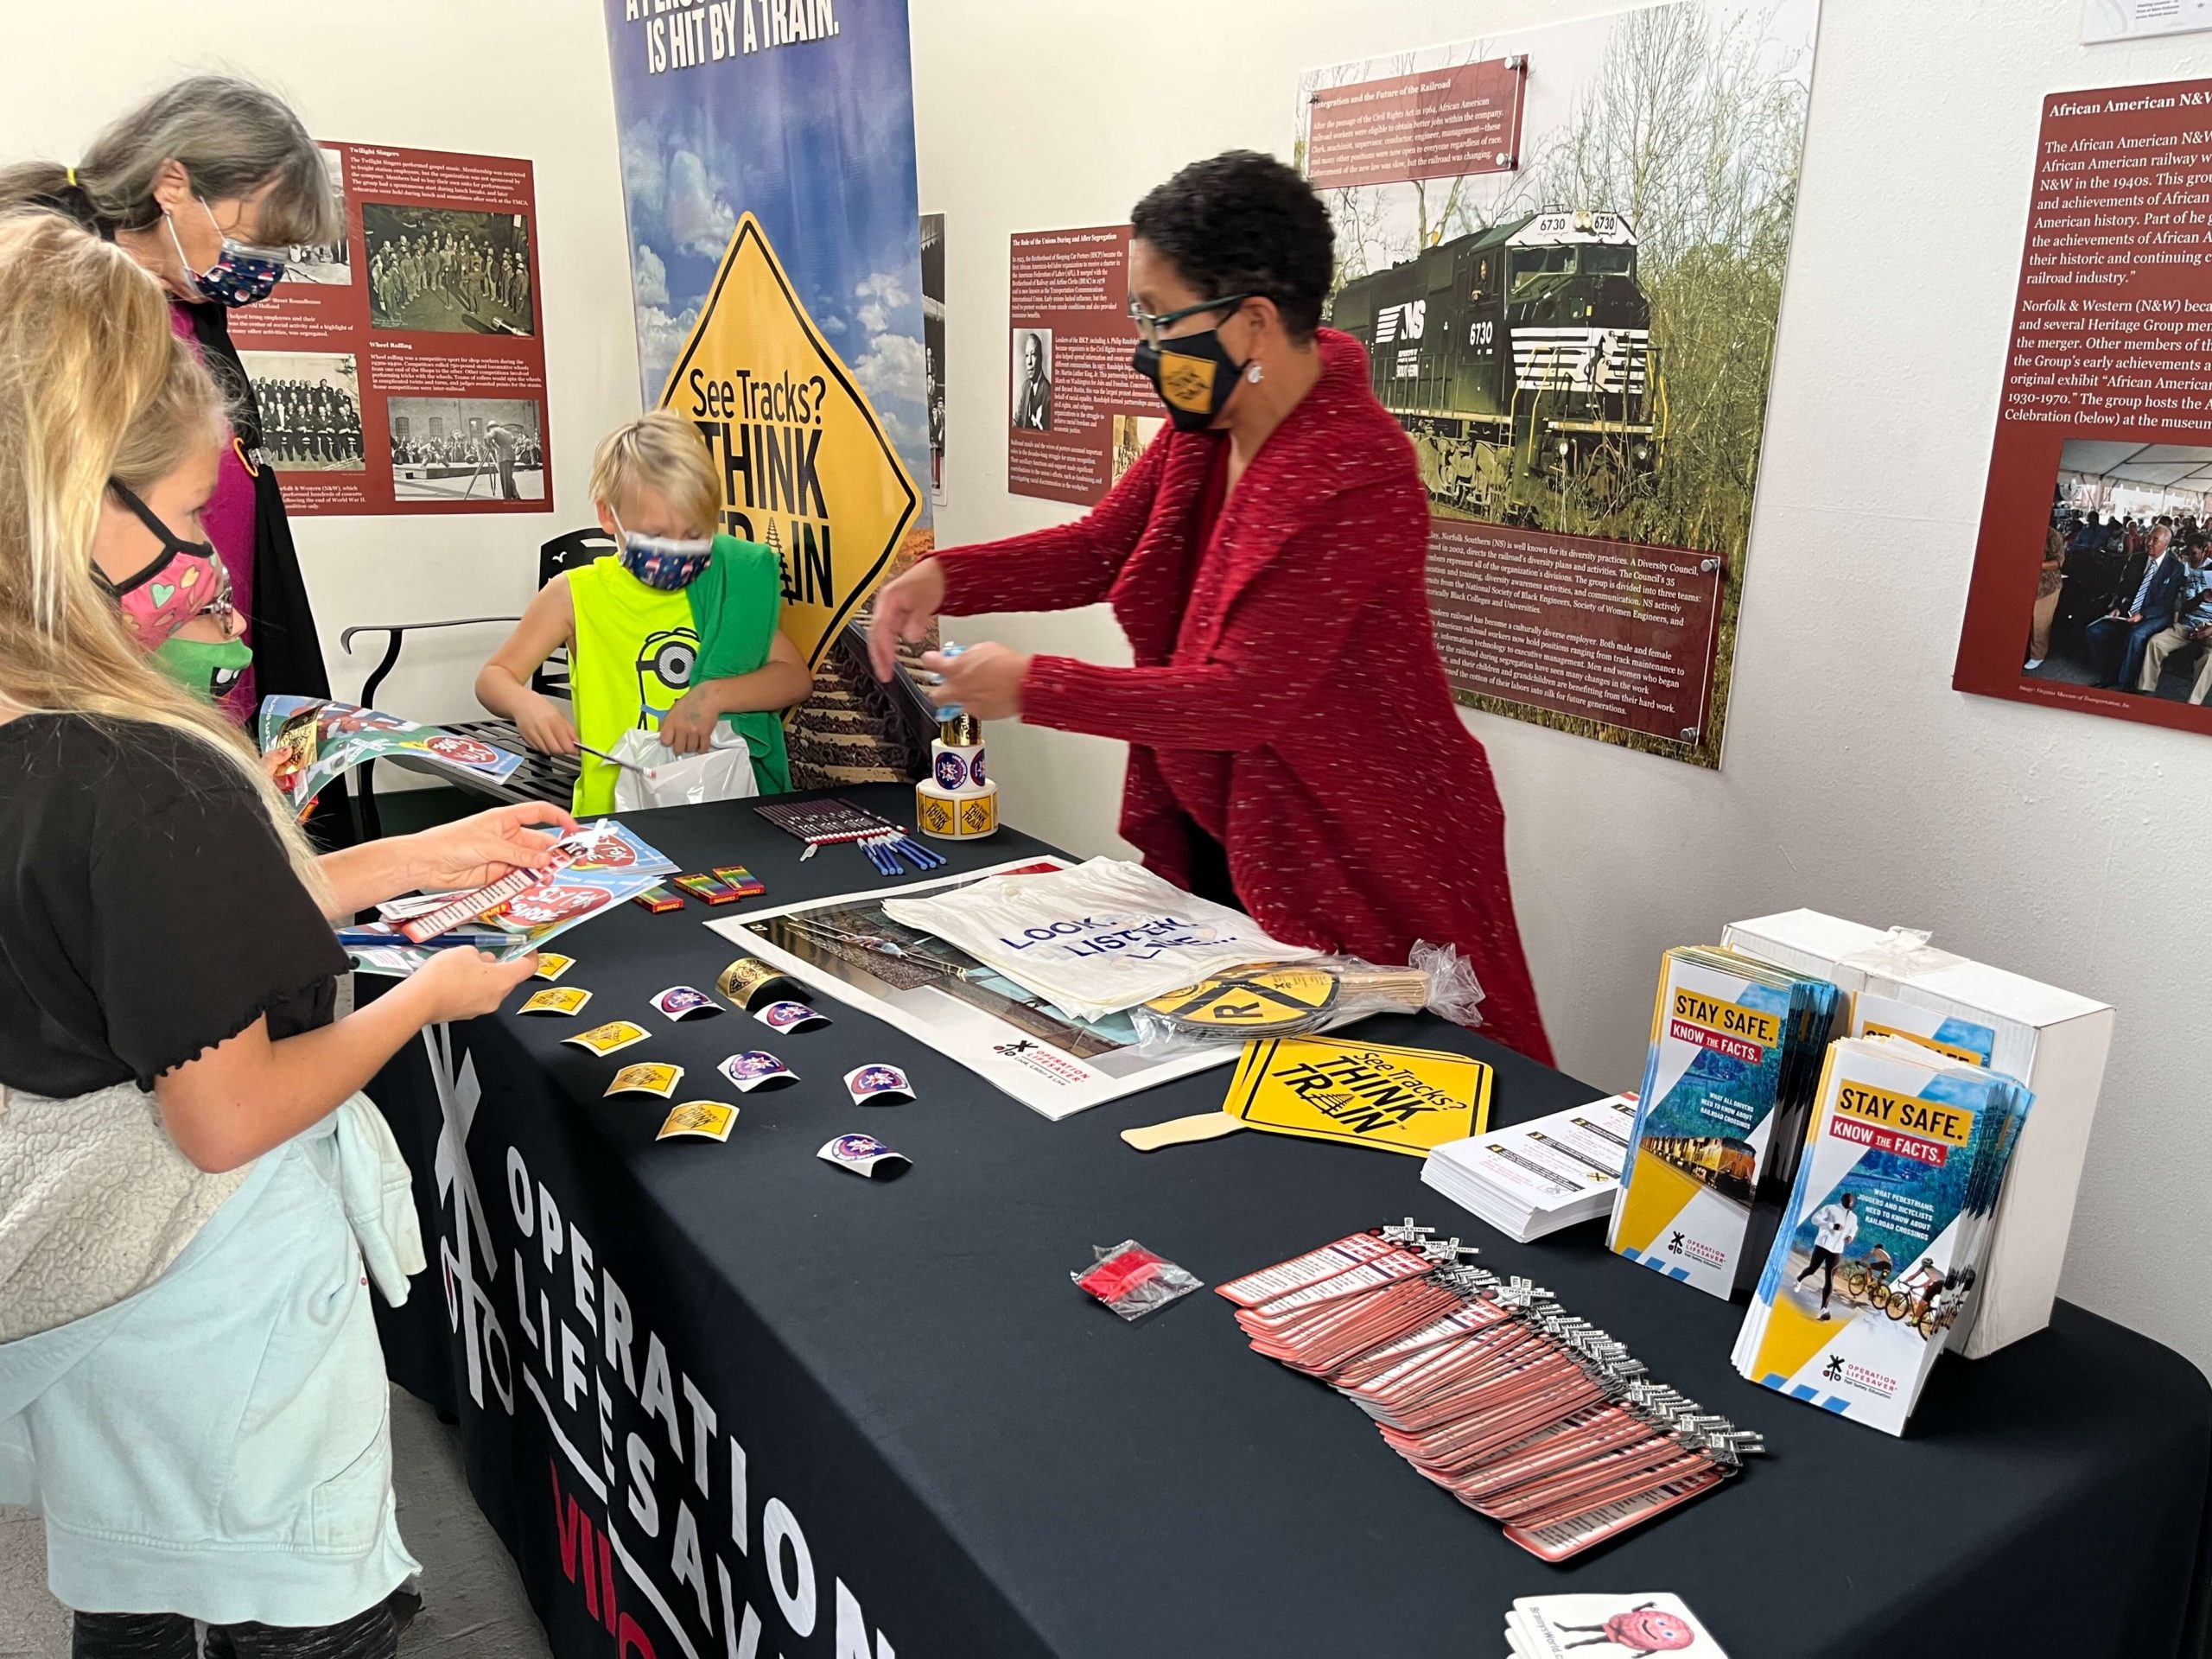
(2042, 842)
(491, 77)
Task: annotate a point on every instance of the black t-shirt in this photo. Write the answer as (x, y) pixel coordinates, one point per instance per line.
(147, 910)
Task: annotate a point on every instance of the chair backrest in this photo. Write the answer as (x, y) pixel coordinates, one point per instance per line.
(564, 552)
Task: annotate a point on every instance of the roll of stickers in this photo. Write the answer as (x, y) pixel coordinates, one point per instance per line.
(959, 769)
(946, 816)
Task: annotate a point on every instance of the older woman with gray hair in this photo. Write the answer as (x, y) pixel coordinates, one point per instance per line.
(196, 184)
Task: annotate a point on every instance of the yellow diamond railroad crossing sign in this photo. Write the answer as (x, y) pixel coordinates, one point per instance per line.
(805, 465)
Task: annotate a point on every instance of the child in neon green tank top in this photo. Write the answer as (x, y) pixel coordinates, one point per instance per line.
(676, 635)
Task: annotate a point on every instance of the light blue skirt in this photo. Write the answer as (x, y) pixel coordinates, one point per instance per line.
(218, 1444)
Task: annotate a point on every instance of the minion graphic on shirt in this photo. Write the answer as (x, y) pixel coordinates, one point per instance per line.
(665, 663)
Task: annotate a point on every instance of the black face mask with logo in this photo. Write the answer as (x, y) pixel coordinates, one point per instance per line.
(1193, 374)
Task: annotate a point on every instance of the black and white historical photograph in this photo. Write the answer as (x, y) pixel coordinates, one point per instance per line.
(327, 264)
(447, 271)
(1032, 380)
(310, 409)
(466, 449)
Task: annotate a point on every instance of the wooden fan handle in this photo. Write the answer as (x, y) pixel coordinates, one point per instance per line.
(1206, 1126)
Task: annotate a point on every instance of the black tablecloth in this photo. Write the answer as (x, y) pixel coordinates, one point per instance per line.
(940, 1440)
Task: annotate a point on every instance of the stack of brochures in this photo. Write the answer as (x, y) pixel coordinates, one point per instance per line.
(1887, 1225)
(607, 863)
(1553, 1627)
(1538, 1177)
(1736, 1048)
(2053, 1040)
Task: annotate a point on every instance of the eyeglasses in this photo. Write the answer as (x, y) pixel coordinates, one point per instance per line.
(1149, 327)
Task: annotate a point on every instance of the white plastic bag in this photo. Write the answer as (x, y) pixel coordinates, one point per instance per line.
(1093, 939)
(1292, 998)
(658, 776)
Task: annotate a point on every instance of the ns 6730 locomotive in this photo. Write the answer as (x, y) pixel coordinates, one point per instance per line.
(1521, 353)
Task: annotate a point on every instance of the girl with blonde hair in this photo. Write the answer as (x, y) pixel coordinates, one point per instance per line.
(201, 183)
(190, 1384)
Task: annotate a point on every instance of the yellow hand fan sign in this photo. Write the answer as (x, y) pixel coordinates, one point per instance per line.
(1405, 1100)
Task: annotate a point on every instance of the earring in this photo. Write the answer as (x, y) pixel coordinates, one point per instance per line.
(1255, 374)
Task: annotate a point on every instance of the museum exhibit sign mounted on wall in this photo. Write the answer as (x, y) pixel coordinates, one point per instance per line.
(1564, 249)
(402, 368)
(2092, 589)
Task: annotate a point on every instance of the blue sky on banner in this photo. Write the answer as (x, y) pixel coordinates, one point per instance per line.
(816, 138)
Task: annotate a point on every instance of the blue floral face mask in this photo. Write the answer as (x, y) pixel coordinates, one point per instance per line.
(663, 561)
(236, 277)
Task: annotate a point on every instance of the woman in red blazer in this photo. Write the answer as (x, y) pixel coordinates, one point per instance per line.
(1294, 749)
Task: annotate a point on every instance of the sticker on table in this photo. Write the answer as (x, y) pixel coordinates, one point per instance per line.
(708, 1119)
(551, 964)
(791, 1016)
(606, 1038)
(757, 1068)
(878, 1085)
(685, 1003)
(866, 1156)
(556, 999)
(646, 1077)
(748, 979)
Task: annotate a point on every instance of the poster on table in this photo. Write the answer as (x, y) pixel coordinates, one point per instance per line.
(1078, 415)
(768, 173)
(2089, 591)
(933, 345)
(1563, 248)
(934, 992)
(402, 369)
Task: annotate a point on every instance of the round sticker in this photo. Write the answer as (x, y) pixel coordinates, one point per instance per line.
(975, 768)
(744, 981)
(950, 774)
(1264, 1001)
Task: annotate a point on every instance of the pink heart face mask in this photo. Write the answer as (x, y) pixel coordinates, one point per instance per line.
(185, 580)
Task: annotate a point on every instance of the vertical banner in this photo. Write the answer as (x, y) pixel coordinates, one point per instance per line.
(1080, 416)
(933, 345)
(768, 170)
(402, 370)
(2091, 588)
(1563, 249)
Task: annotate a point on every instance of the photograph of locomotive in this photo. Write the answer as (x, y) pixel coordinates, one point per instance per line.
(1721, 1161)
(1578, 337)
(1521, 351)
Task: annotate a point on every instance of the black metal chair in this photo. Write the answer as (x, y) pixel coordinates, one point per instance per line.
(541, 777)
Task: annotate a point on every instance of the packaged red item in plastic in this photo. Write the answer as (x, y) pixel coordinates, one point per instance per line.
(1133, 1281)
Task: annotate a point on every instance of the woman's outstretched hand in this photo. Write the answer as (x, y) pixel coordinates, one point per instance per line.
(985, 680)
(478, 850)
(904, 610)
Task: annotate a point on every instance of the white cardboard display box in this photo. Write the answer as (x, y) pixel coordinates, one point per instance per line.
(2052, 1041)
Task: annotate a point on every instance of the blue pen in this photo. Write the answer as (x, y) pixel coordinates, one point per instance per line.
(356, 938)
(924, 858)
